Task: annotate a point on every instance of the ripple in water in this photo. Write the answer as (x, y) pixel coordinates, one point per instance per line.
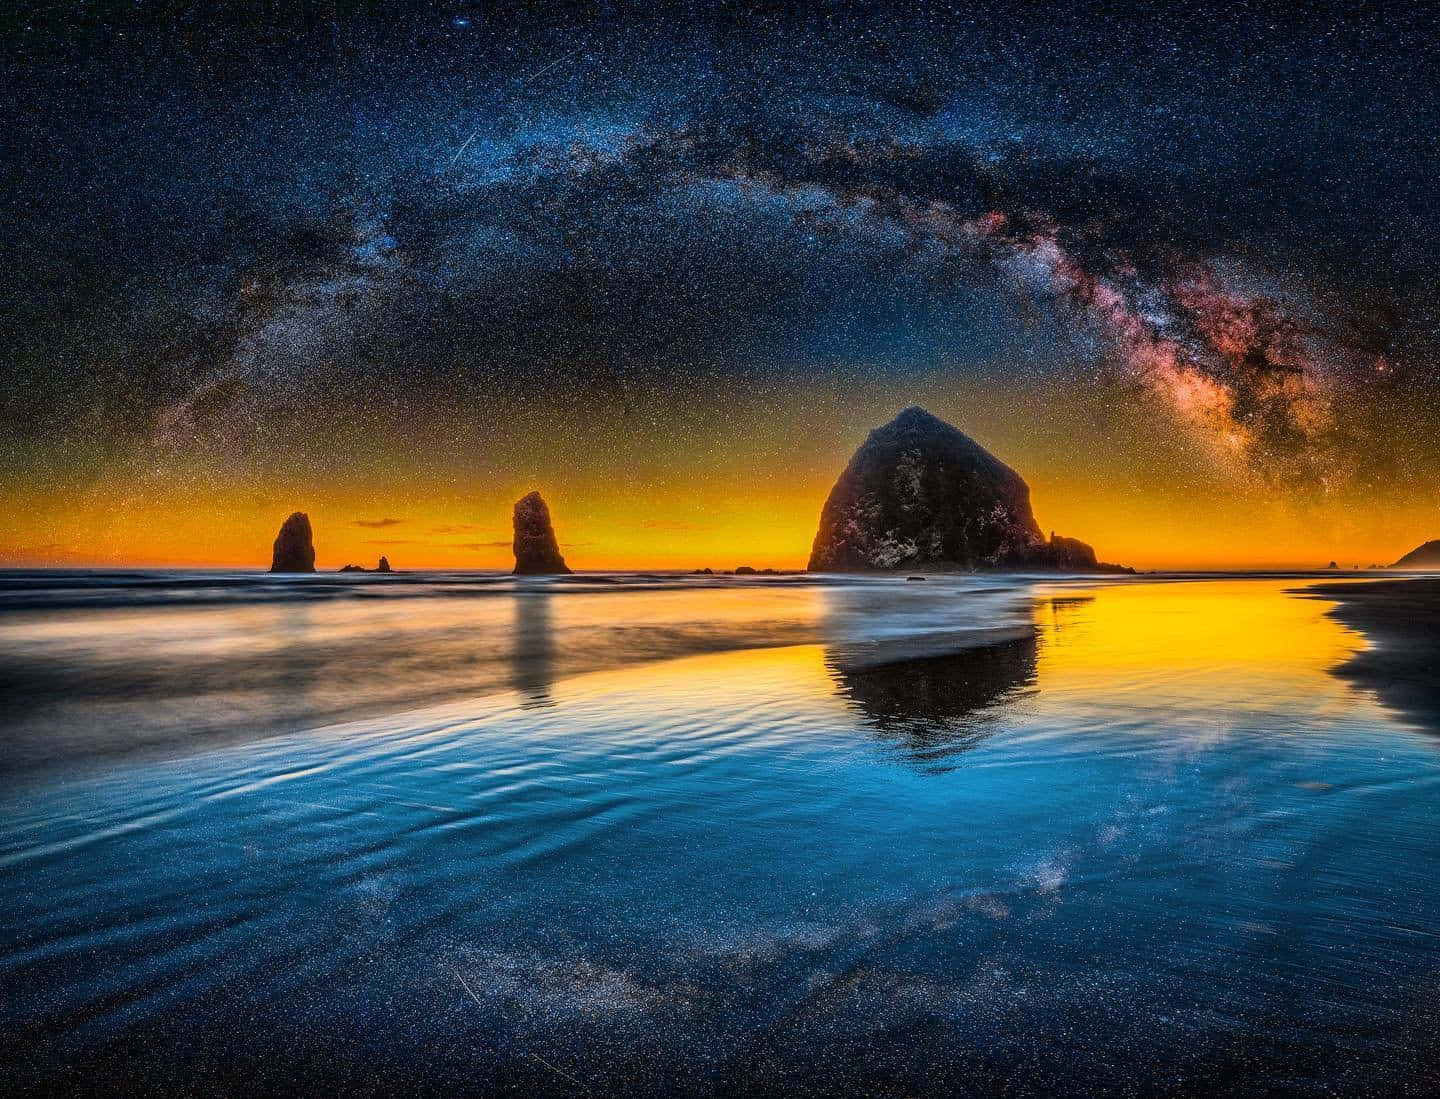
(1140, 838)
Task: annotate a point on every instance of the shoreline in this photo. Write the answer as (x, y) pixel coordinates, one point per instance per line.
(1401, 620)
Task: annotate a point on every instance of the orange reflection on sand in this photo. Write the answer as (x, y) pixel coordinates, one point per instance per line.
(1128, 636)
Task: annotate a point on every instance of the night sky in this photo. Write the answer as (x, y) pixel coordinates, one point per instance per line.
(395, 270)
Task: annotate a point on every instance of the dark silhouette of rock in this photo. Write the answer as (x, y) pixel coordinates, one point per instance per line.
(1068, 554)
(383, 566)
(294, 548)
(919, 492)
(744, 570)
(935, 706)
(537, 553)
(1332, 565)
(1421, 557)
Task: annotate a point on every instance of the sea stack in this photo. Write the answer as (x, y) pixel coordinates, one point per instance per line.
(537, 553)
(294, 548)
(919, 493)
(384, 565)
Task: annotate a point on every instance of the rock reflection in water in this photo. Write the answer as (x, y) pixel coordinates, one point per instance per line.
(532, 660)
(935, 706)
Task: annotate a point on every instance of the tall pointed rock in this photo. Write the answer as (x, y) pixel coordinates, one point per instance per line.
(537, 553)
(294, 547)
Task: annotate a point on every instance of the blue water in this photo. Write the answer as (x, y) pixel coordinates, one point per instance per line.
(962, 836)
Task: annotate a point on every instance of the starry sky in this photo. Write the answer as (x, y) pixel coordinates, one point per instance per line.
(396, 267)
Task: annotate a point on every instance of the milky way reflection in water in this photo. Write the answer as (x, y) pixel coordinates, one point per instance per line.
(1139, 837)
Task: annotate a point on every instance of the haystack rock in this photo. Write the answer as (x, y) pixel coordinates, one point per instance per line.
(294, 547)
(1421, 557)
(384, 565)
(537, 553)
(919, 493)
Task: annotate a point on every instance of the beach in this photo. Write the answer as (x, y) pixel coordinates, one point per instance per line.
(966, 836)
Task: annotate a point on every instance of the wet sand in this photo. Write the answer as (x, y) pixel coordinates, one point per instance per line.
(104, 669)
(1150, 843)
(1401, 620)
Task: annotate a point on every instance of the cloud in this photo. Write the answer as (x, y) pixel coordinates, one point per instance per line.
(376, 524)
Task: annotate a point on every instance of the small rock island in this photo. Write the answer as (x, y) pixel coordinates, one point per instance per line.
(537, 553)
(294, 549)
(383, 566)
(919, 493)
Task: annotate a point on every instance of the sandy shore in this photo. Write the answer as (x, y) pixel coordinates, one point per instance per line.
(1401, 619)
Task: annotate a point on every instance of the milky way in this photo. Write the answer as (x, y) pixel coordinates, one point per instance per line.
(235, 244)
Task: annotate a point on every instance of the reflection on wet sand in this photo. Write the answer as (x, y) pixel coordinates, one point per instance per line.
(532, 659)
(805, 839)
(938, 696)
(935, 705)
(133, 679)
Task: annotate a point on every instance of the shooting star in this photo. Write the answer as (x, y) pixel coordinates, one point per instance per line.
(520, 84)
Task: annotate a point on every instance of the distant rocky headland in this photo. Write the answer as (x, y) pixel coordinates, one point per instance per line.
(1421, 557)
(920, 494)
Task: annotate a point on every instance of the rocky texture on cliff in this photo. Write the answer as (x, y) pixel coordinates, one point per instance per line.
(294, 548)
(920, 493)
(1421, 557)
(537, 553)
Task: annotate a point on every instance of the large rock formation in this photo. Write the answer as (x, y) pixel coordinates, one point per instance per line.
(537, 553)
(1421, 557)
(920, 493)
(294, 550)
(384, 565)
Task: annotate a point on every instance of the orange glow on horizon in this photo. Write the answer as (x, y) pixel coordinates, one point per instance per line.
(762, 525)
(743, 487)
